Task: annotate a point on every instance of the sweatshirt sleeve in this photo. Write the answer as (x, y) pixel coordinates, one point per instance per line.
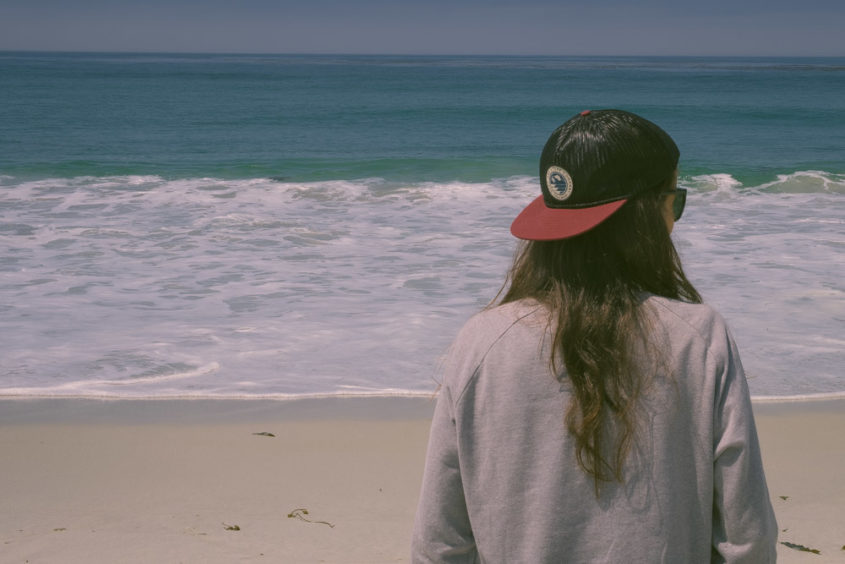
(744, 527)
(442, 531)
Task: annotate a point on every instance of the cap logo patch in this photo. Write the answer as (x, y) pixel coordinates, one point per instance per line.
(559, 183)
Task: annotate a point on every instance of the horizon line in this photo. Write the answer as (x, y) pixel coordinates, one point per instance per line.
(438, 54)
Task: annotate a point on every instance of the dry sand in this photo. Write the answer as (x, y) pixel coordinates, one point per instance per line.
(171, 481)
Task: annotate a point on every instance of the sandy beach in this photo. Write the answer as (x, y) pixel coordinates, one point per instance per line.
(203, 481)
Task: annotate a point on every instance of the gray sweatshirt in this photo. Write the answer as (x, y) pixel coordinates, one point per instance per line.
(501, 483)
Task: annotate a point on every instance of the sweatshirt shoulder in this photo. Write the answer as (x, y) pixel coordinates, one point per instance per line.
(490, 324)
(680, 316)
(484, 330)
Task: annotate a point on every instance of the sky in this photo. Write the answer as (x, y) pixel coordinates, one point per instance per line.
(464, 27)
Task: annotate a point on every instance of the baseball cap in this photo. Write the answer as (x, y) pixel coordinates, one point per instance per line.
(590, 167)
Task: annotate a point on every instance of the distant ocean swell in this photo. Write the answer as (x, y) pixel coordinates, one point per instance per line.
(143, 286)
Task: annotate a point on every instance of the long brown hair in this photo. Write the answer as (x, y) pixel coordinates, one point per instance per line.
(593, 285)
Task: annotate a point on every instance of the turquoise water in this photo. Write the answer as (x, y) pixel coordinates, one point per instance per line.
(407, 118)
(286, 226)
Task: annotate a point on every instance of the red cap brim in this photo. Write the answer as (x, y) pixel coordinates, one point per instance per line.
(537, 222)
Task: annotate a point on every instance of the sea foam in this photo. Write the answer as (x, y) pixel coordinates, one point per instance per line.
(143, 286)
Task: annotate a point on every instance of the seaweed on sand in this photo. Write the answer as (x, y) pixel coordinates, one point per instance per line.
(801, 547)
(300, 514)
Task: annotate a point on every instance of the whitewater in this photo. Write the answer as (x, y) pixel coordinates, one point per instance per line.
(141, 286)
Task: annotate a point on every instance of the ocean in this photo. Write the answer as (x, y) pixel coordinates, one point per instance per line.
(271, 226)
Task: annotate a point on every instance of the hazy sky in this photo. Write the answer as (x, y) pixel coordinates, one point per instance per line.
(563, 27)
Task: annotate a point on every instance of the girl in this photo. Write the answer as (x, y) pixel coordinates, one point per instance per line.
(598, 412)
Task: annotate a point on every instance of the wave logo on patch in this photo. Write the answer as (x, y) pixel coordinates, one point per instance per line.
(559, 183)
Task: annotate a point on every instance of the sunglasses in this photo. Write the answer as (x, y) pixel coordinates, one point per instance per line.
(679, 202)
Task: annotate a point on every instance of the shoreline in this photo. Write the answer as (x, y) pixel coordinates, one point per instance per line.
(167, 480)
(210, 411)
(308, 402)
